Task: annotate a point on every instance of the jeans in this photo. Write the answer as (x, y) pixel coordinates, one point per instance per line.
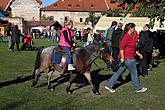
(54, 39)
(131, 65)
(68, 54)
(9, 41)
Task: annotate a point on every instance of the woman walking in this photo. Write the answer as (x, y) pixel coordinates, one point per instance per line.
(127, 57)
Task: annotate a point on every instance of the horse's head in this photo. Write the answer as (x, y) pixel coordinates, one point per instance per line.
(94, 49)
(102, 51)
(106, 54)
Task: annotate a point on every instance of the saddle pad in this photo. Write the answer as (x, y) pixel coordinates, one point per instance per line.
(56, 57)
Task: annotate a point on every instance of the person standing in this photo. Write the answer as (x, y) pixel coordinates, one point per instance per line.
(116, 37)
(15, 37)
(85, 37)
(145, 48)
(90, 37)
(109, 40)
(8, 33)
(54, 35)
(66, 42)
(1, 35)
(127, 58)
(109, 34)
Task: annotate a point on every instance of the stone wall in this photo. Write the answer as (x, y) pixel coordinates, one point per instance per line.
(27, 9)
(60, 16)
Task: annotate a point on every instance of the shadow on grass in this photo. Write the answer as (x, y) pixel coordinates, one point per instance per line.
(15, 81)
(3, 41)
(59, 80)
(80, 80)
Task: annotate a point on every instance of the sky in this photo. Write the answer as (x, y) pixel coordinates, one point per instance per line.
(47, 2)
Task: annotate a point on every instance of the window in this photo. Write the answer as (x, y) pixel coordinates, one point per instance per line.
(55, 4)
(66, 18)
(92, 6)
(77, 6)
(81, 20)
(69, 5)
(51, 18)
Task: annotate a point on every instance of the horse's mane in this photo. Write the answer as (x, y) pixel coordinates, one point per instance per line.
(92, 47)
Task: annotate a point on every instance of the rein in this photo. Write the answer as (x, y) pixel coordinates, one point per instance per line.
(93, 59)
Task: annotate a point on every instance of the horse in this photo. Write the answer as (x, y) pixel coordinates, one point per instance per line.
(82, 58)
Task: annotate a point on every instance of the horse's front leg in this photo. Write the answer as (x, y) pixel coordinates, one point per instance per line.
(88, 76)
(72, 77)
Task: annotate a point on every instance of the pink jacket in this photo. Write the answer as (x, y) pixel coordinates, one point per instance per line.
(62, 38)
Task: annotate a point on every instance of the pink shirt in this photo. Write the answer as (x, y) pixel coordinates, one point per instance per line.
(62, 38)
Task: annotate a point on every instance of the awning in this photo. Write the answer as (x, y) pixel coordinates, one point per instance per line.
(105, 22)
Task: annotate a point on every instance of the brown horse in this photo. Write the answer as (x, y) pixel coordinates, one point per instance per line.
(83, 57)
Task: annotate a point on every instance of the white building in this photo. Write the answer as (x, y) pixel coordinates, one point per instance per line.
(27, 9)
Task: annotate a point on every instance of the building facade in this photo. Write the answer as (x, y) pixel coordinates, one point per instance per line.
(27, 9)
(76, 10)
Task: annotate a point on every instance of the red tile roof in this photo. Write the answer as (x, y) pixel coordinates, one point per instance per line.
(39, 1)
(81, 5)
(3, 4)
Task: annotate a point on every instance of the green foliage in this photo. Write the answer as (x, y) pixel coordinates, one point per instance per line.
(154, 9)
(112, 13)
(92, 18)
(44, 17)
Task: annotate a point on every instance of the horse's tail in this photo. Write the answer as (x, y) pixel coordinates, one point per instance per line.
(38, 61)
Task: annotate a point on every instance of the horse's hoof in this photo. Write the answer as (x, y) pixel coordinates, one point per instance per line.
(69, 92)
(51, 89)
(32, 85)
(97, 93)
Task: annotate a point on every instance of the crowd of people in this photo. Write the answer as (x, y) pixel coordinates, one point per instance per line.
(126, 46)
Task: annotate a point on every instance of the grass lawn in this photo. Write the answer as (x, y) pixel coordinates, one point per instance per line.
(16, 92)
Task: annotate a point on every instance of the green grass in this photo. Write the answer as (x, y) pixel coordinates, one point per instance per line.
(16, 92)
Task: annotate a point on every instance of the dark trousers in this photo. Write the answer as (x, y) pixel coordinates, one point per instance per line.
(115, 53)
(12, 45)
(143, 63)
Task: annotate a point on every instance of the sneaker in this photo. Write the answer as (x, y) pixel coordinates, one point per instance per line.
(110, 90)
(142, 90)
(71, 67)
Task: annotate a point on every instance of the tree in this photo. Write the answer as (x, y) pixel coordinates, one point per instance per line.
(112, 13)
(44, 17)
(92, 18)
(154, 9)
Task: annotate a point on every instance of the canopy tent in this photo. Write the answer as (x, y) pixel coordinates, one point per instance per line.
(105, 22)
